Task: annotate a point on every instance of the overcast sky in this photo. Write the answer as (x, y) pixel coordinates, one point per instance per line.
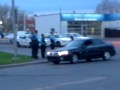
(84, 6)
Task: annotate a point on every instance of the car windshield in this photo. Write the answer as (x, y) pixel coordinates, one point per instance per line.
(76, 43)
(77, 35)
(58, 36)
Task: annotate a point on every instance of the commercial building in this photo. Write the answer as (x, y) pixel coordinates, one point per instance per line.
(97, 25)
(29, 24)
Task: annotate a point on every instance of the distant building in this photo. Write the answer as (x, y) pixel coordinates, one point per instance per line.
(30, 24)
(86, 24)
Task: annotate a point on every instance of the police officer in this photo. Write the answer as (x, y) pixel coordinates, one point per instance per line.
(52, 40)
(35, 44)
(43, 46)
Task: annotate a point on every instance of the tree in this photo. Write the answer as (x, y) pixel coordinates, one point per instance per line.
(108, 6)
(5, 17)
(24, 17)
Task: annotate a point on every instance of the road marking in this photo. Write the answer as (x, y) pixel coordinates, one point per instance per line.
(71, 83)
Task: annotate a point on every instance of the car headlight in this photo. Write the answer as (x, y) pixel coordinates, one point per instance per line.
(48, 53)
(63, 53)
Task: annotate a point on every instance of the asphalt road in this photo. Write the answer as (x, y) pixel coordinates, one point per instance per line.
(95, 75)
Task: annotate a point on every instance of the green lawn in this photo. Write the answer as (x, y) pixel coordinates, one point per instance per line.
(7, 58)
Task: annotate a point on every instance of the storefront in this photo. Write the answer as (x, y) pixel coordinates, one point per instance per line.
(91, 24)
(85, 24)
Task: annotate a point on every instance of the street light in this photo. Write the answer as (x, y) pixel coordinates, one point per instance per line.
(1, 22)
(14, 29)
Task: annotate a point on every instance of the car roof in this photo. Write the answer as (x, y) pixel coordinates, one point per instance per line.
(89, 38)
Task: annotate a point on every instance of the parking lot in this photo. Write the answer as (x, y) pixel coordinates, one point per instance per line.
(5, 46)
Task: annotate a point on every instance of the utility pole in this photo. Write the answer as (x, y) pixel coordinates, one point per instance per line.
(24, 21)
(60, 20)
(14, 30)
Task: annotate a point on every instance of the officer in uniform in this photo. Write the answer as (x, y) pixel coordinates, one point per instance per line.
(34, 44)
(43, 46)
(52, 40)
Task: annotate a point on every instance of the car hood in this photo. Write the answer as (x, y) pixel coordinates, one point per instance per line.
(64, 39)
(64, 49)
(82, 37)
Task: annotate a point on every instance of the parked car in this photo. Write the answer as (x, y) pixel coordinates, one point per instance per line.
(74, 35)
(10, 37)
(82, 49)
(25, 40)
(61, 40)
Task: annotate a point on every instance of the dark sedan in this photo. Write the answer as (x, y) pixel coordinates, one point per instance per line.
(87, 49)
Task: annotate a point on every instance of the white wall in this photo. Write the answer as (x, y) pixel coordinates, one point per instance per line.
(64, 28)
(103, 26)
(44, 23)
(112, 24)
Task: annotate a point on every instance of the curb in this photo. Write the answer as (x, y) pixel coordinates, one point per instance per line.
(24, 64)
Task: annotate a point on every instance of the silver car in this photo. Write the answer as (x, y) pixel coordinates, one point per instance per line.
(74, 35)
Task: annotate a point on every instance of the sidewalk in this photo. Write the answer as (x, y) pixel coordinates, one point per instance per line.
(39, 61)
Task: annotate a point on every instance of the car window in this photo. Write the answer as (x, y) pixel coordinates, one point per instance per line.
(23, 37)
(88, 43)
(98, 41)
(76, 43)
(65, 35)
(76, 35)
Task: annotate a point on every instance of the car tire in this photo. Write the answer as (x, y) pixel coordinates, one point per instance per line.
(58, 44)
(74, 59)
(106, 55)
(10, 41)
(18, 44)
(56, 62)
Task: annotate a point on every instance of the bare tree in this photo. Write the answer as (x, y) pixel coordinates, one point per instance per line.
(108, 6)
(5, 17)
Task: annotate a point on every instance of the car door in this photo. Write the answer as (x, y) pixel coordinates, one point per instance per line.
(99, 47)
(27, 41)
(23, 40)
(90, 50)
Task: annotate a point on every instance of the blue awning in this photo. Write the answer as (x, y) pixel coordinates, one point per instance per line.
(90, 17)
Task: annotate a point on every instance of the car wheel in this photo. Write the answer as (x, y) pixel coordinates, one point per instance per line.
(11, 41)
(58, 44)
(74, 59)
(18, 44)
(56, 62)
(107, 55)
